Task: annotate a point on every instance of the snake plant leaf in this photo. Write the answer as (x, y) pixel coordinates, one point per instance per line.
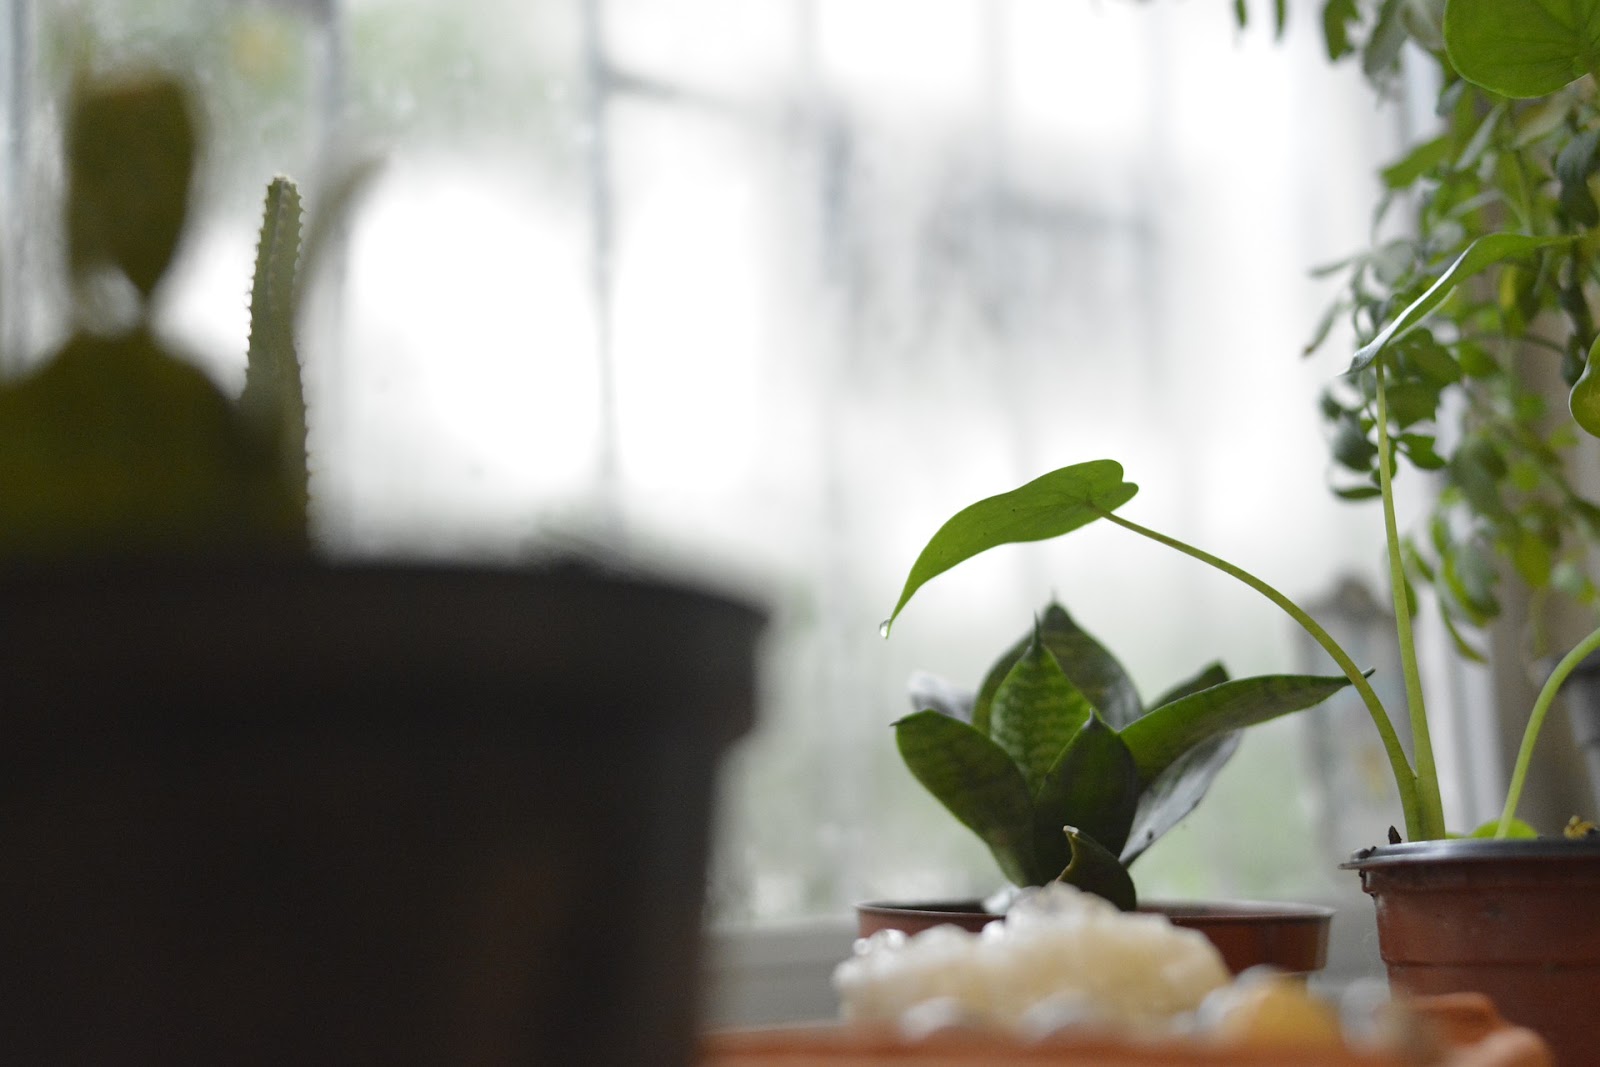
(1094, 869)
(1176, 791)
(1094, 786)
(1522, 48)
(976, 782)
(1167, 732)
(1088, 664)
(1050, 505)
(1210, 675)
(1036, 712)
(131, 149)
(1485, 252)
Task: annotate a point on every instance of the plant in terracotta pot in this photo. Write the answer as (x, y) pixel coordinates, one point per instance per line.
(256, 805)
(1488, 289)
(1064, 772)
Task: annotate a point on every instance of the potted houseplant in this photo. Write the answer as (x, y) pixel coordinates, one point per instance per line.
(1506, 186)
(1057, 764)
(257, 806)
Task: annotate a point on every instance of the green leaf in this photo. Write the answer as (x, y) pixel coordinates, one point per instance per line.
(1036, 711)
(1086, 663)
(1421, 451)
(1411, 403)
(1176, 791)
(1337, 17)
(1094, 786)
(273, 394)
(1097, 871)
(1522, 48)
(1574, 165)
(1533, 558)
(1584, 399)
(1167, 732)
(1210, 675)
(1381, 56)
(976, 782)
(1048, 506)
(1482, 253)
(1419, 161)
(1519, 830)
(130, 150)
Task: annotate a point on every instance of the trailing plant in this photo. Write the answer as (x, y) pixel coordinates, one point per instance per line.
(1064, 773)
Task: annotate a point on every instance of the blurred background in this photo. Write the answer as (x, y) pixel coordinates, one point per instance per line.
(762, 291)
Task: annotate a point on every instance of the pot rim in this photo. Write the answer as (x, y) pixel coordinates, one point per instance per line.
(1474, 850)
(1217, 911)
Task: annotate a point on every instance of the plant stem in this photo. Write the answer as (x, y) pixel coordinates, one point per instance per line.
(1430, 806)
(1405, 781)
(1530, 735)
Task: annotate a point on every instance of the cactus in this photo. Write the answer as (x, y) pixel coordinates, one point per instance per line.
(274, 397)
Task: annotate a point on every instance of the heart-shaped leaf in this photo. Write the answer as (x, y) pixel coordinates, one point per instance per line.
(1167, 732)
(1522, 48)
(977, 782)
(1088, 664)
(1048, 506)
(1036, 712)
(1096, 870)
(1480, 254)
(1094, 786)
(1176, 791)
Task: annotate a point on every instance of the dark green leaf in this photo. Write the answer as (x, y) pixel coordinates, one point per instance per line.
(1420, 450)
(1036, 711)
(1093, 786)
(1046, 507)
(130, 154)
(1573, 166)
(1411, 403)
(1176, 791)
(1522, 48)
(1351, 447)
(1482, 253)
(1337, 17)
(1167, 732)
(1097, 871)
(976, 782)
(1212, 674)
(1086, 663)
(1357, 492)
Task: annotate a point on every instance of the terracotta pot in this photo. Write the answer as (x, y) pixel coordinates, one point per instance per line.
(294, 813)
(1512, 919)
(1291, 937)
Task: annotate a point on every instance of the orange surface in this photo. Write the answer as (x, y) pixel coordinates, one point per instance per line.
(1475, 1034)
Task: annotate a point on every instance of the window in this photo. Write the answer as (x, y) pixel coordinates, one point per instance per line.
(763, 290)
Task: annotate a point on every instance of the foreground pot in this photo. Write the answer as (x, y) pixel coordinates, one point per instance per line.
(296, 814)
(1512, 919)
(1291, 937)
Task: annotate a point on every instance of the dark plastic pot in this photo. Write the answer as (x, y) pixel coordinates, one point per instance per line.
(307, 814)
(1512, 919)
(1291, 937)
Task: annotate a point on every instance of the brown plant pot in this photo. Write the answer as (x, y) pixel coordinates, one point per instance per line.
(294, 813)
(1291, 937)
(1512, 919)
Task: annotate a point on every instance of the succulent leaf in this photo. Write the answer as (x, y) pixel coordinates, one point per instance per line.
(274, 397)
(1036, 712)
(1094, 785)
(1210, 675)
(1167, 732)
(1094, 869)
(1087, 663)
(977, 783)
(1175, 792)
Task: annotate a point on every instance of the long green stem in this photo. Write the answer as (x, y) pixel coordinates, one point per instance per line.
(1430, 806)
(1404, 779)
(1530, 735)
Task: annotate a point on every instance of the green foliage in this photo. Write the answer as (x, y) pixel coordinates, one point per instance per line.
(1052, 784)
(116, 445)
(273, 395)
(1489, 291)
